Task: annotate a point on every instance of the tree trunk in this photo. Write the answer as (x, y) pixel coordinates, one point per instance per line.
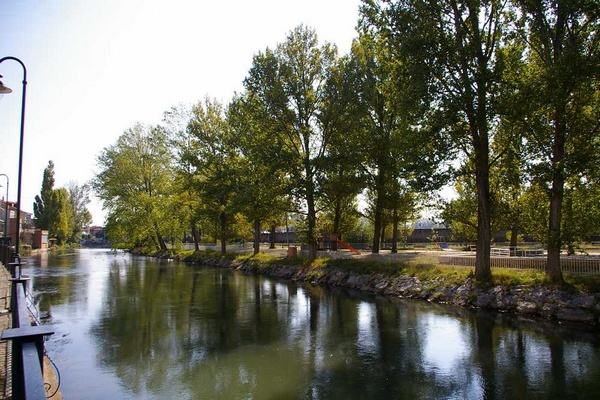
(395, 232)
(312, 223)
(377, 226)
(161, 242)
(216, 232)
(223, 221)
(554, 241)
(378, 214)
(380, 181)
(196, 237)
(553, 271)
(514, 232)
(337, 216)
(159, 238)
(310, 204)
(256, 236)
(272, 237)
(476, 107)
(483, 272)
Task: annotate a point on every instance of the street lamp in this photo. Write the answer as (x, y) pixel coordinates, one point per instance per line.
(4, 89)
(6, 219)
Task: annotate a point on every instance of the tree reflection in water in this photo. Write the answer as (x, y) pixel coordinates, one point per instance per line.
(163, 329)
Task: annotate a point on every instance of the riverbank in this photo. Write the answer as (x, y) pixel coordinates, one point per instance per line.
(416, 277)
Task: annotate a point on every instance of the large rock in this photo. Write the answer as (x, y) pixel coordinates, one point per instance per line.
(559, 297)
(548, 310)
(353, 281)
(527, 307)
(583, 302)
(484, 300)
(381, 285)
(576, 315)
(506, 302)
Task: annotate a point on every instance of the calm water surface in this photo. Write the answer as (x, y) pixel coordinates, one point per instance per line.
(137, 328)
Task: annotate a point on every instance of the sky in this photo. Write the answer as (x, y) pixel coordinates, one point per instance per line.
(95, 68)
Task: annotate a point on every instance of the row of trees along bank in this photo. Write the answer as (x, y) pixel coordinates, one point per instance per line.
(501, 96)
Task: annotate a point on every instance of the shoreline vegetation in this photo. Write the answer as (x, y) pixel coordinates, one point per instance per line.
(420, 276)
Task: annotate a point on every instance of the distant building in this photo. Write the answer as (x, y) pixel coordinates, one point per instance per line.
(25, 222)
(40, 239)
(94, 236)
(424, 229)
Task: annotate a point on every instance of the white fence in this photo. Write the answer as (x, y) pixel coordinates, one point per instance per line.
(500, 251)
(575, 265)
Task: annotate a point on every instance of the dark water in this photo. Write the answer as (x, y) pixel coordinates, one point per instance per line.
(136, 328)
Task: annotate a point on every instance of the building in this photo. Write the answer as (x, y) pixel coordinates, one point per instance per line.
(10, 227)
(39, 239)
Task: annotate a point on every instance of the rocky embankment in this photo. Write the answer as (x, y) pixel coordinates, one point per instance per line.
(533, 300)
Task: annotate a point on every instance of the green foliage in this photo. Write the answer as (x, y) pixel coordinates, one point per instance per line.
(362, 232)
(60, 215)
(361, 267)
(585, 284)
(207, 257)
(504, 94)
(184, 209)
(42, 218)
(516, 277)
(557, 90)
(581, 211)
(460, 213)
(135, 184)
(62, 212)
(263, 187)
(287, 88)
(216, 165)
(79, 198)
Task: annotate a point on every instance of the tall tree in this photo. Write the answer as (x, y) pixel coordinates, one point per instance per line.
(60, 215)
(263, 187)
(457, 42)
(79, 198)
(181, 143)
(289, 85)
(380, 121)
(393, 97)
(343, 173)
(39, 206)
(134, 182)
(559, 99)
(215, 164)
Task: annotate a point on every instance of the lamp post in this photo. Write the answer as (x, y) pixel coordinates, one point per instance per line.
(4, 89)
(6, 218)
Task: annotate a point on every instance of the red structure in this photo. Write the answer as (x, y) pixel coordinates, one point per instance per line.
(343, 244)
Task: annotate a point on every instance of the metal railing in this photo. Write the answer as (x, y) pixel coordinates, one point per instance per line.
(6, 252)
(27, 367)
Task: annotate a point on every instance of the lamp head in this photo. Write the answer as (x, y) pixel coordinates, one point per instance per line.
(4, 89)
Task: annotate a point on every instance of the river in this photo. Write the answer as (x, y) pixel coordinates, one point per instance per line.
(138, 328)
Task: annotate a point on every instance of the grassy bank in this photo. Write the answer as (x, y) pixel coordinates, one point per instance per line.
(424, 267)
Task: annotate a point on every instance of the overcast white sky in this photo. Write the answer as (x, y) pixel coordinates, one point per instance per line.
(94, 68)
